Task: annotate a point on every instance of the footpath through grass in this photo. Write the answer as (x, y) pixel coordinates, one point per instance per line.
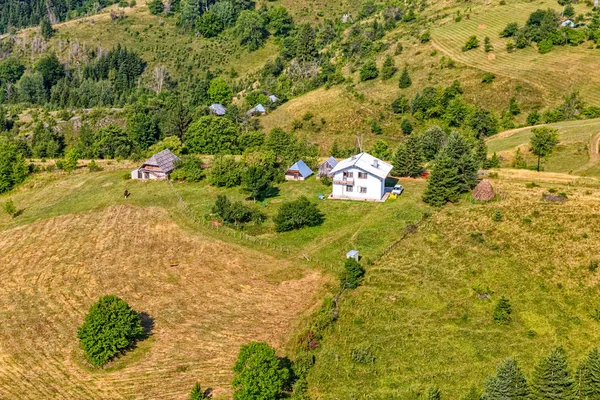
(419, 321)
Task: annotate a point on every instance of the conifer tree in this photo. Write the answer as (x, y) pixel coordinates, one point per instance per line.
(508, 384)
(460, 151)
(588, 376)
(405, 80)
(444, 183)
(408, 158)
(389, 68)
(551, 378)
(481, 152)
(197, 393)
(519, 161)
(46, 29)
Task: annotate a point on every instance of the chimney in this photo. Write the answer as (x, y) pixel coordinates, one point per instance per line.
(376, 163)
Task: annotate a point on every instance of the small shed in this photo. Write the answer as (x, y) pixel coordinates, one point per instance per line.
(568, 23)
(326, 167)
(484, 191)
(298, 172)
(157, 167)
(273, 99)
(258, 110)
(353, 254)
(218, 109)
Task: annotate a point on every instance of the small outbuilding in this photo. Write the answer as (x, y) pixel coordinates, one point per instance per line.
(298, 172)
(157, 167)
(484, 191)
(258, 110)
(326, 167)
(353, 254)
(218, 109)
(273, 99)
(568, 24)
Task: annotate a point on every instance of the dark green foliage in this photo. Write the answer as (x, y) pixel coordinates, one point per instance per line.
(306, 48)
(236, 212)
(256, 181)
(381, 150)
(545, 46)
(408, 158)
(588, 376)
(510, 30)
(388, 70)
(352, 274)
(487, 44)
(509, 383)
(112, 142)
(13, 168)
(188, 169)
(513, 107)
(258, 373)
(31, 89)
(543, 142)
(155, 6)
(126, 67)
(488, 77)
(406, 126)
(369, 71)
(9, 207)
(11, 70)
(400, 105)
(482, 122)
(46, 29)
(50, 68)
(433, 393)
(250, 29)
(297, 214)
(212, 135)
(456, 111)
(142, 126)
(533, 118)
(209, 24)
(503, 309)
(472, 43)
(461, 152)
(444, 184)
(376, 128)
(493, 162)
(197, 393)
(226, 172)
(110, 328)
(219, 91)
(405, 80)
(551, 378)
(432, 140)
(480, 153)
(280, 20)
(47, 141)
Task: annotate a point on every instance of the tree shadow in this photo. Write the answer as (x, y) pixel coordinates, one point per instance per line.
(147, 323)
(273, 191)
(391, 181)
(208, 393)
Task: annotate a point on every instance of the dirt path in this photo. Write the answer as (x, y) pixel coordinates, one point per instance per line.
(594, 143)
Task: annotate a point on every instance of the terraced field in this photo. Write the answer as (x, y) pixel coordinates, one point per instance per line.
(563, 69)
(203, 298)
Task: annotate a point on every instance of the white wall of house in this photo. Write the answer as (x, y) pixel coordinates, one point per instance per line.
(147, 175)
(357, 184)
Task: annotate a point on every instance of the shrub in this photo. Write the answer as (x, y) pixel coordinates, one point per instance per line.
(369, 71)
(297, 214)
(10, 208)
(376, 128)
(406, 126)
(400, 105)
(258, 373)
(472, 43)
(502, 311)
(593, 266)
(510, 30)
(189, 169)
(545, 46)
(226, 172)
(236, 212)
(155, 6)
(405, 80)
(197, 393)
(326, 180)
(498, 217)
(93, 166)
(488, 77)
(110, 327)
(352, 274)
(425, 37)
(487, 45)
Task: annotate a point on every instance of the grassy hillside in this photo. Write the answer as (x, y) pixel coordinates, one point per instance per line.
(420, 318)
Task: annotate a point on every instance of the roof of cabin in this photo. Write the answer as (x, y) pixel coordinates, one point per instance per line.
(301, 167)
(365, 162)
(165, 160)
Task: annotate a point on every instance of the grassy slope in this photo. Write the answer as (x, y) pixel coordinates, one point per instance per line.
(417, 312)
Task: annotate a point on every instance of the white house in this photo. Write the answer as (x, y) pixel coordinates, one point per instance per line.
(360, 177)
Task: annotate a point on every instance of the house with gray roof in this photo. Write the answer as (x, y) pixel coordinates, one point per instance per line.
(360, 177)
(326, 167)
(157, 167)
(298, 172)
(218, 109)
(273, 98)
(258, 110)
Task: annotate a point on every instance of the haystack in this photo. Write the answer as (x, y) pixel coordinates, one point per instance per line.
(484, 191)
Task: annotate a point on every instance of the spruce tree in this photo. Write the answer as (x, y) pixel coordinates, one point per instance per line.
(408, 159)
(588, 376)
(519, 161)
(197, 393)
(508, 384)
(405, 80)
(481, 152)
(444, 183)
(389, 68)
(551, 378)
(460, 151)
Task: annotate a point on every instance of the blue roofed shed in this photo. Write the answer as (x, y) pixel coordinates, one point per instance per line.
(218, 109)
(353, 254)
(298, 172)
(258, 110)
(568, 23)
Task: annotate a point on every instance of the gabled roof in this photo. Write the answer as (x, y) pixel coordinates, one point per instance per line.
(568, 23)
(366, 162)
(258, 109)
(273, 98)
(165, 160)
(331, 161)
(218, 109)
(301, 167)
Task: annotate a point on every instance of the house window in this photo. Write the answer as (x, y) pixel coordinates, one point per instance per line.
(349, 188)
(348, 174)
(362, 175)
(362, 189)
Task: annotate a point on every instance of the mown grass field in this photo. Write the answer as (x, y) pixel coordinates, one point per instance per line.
(418, 315)
(562, 70)
(572, 154)
(207, 292)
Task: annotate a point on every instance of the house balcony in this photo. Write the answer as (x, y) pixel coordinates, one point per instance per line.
(344, 181)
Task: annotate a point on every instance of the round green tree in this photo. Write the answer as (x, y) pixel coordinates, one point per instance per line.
(110, 328)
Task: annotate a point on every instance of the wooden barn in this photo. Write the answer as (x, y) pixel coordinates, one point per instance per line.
(326, 167)
(157, 167)
(298, 172)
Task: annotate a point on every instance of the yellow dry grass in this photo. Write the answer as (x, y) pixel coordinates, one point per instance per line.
(206, 297)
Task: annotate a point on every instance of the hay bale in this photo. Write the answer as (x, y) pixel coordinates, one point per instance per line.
(484, 191)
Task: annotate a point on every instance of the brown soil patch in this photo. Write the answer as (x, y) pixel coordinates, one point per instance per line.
(491, 56)
(481, 26)
(217, 297)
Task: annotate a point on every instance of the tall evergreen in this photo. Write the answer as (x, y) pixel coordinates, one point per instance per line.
(408, 158)
(551, 378)
(405, 80)
(508, 384)
(389, 68)
(588, 376)
(444, 184)
(461, 152)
